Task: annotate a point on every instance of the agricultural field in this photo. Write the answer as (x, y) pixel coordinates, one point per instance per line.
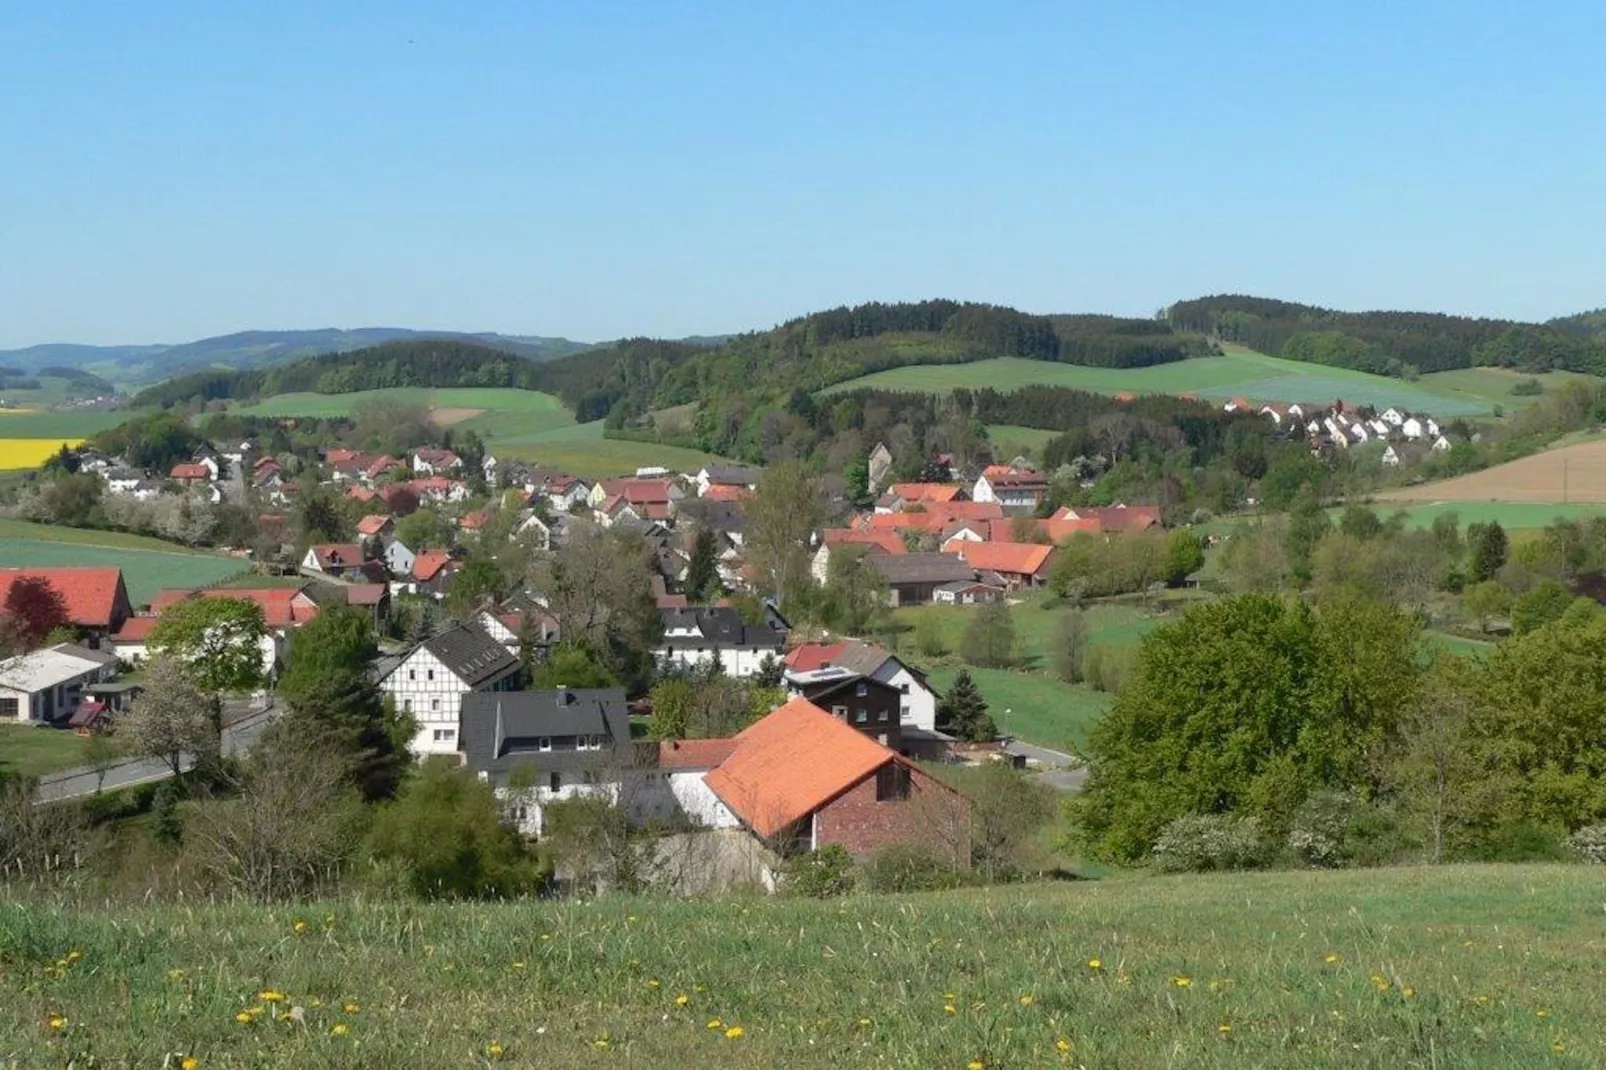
(1433, 966)
(148, 565)
(18, 454)
(1513, 516)
(582, 450)
(34, 750)
(1572, 474)
(1239, 372)
(1009, 440)
(64, 426)
(1492, 386)
(493, 412)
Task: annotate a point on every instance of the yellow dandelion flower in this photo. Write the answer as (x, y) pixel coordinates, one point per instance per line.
(602, 1043)
(1181, 980)
(976, 1064)
(733, 1033)
(518, 966)
(949, 996)
(339, 1029)
(865, 1023)
(349, 1007)
(493, 1050)
(1380, 982)
(189, 1062)
(1027, 1000)
(1331, 957)
(1482, 1001)
(299, 925)
(1095, 964)
(1062, 1045)
(1407, 991)
(948, 1008)
(653, 983)
(245, 1017)
(269, 995)
(715, 1023)
(56, 1022)
(175, 975)
(1541, 1013)
(1224, 1028)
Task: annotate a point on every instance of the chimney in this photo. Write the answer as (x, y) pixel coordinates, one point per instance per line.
(563, 695)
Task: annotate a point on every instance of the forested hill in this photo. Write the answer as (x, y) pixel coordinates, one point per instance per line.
(631, 378)
(427, 362)
(1393, 343)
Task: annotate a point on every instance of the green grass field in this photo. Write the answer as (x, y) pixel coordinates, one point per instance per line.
(1029, 701)
(1451, 967)
(1492, 386)
(148, 565)
(504, 412)
(1239, 372)
(57, 426)
(1513, 516)
(1009, 440)
(582, 450)
(32, 750)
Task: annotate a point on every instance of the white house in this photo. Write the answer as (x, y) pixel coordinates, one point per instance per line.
(725, 476)
(537, 530)
(488, 469)
(430, 461)
(918, 706)
(1010, 487)
(1392, 416)
(430, 680)
(1391, 459)
(1440, 444)
(47, 685)
(398, 558)
(1411, 428)
(696, 635)
(679, 786)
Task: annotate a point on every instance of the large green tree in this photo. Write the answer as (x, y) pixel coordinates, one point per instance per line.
(217, 640)
(702, 572)
(781, 517)
(1245, 706)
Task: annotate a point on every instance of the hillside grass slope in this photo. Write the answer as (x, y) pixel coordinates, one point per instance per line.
(1450, 967)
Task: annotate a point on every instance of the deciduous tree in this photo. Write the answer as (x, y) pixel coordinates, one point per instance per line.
(171, 718)
(217, 640)
(33, 609)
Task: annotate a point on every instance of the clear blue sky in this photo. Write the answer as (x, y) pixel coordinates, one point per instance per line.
(597, 169)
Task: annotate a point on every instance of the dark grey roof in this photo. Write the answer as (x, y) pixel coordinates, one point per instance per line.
(470, 654)
(733, 475)
(99, 657)
(498, 730)
(724, 517)
(722, 626)
(920, 568)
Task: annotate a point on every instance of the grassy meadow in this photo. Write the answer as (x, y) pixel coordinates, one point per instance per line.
(31, 750)
(148, 564)
(582, 450)
(1513, 516)
(58, 427)
(492, 411)
(1237, 372)
(1449, 967)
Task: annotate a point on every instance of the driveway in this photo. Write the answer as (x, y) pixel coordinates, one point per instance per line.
(244, 721)
(1061, 771)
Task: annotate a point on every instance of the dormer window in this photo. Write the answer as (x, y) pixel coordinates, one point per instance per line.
(543, 743)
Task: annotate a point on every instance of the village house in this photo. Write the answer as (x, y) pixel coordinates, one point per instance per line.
(431, 461)
(696, 635)
(507, 626)
(96, 599)
(1020, 564)
(913, 579)
(429, 681)
(868, 705)
(870, 542)
(981, 591)
(46, 686)
(376, 526)
(1011, 487)
(540, 747)
(341, 560)
(880, 464)
(800, 779)
(735, 477)
(432, 572)
(917, 705)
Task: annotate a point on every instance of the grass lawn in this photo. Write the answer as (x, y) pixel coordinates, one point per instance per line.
(1492, 386)
(1038, 708)
(581, 450)
(1513, 516)
(1009, 440)
(68, 426)
(1109, 623)
(1457, 966)
(146, 569)
(32, 750)
(1238, 372)
(502, 411)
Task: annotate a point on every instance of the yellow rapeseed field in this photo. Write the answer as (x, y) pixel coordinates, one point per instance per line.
(28, 452)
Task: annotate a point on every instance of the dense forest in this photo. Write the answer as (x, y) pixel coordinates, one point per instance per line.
(1393, 343)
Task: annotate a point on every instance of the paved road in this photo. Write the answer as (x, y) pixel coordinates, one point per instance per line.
(1061, 771)
(243, 725)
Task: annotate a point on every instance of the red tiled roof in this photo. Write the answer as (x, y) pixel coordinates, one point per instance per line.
(1112, 517)
(365, 594)
(338, 555)
(672, 601)
(90, 594)
(428, 564)
(475, 520)
(372, 524)
(1004, 476)
(190, 471)
(933, 517)
(789, 764)
(927, 492)
(886, 541)
(282, 607)
(694, 753)
(721, 492)
(1055, 529)
(135, 629)
(811, 656)
(1015, 558)
(339, 455)
(361, 494)
(637, 491)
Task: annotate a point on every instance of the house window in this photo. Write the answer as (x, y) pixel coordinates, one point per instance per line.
(407, 705)
(903, 689)
(9, 708)
(861, 715)
(412, 674)
(556, 782)
(840, 711)
(430, 674)
(863, 689)
(434, 705)
(445, 735)
(881, 715)
(891, 783)
(543, 743)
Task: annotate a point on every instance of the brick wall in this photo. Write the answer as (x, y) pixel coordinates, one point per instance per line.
(931, 815)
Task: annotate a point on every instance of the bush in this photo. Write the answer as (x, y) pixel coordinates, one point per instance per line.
(1105, 668)
(910, 868)
(1523, 841)
(1200, 843)
(1319, 835)
(1589, 843)
(823, 874)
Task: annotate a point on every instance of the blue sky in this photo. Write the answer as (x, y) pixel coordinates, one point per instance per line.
(173, 170)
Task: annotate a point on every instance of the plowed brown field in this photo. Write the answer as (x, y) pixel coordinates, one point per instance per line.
(1570, 474)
